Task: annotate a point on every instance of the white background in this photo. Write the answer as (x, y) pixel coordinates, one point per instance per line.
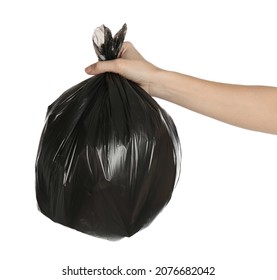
(223, 211)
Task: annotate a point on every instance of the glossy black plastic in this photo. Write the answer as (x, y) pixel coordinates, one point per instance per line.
(109, 155)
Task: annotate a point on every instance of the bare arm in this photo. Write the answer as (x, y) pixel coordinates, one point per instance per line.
(250, 107)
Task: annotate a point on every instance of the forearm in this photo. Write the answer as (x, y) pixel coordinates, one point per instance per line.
(250, 107)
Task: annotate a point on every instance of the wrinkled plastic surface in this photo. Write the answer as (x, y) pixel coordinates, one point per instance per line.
(109, 155)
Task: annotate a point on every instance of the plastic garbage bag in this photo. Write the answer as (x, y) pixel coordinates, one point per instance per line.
(109, 155)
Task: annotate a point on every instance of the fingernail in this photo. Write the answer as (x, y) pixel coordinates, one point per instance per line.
(88, 69)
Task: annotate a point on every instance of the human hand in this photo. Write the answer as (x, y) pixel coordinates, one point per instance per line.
(131, 65)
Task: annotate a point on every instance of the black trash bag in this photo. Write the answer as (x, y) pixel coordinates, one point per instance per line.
(109, 155)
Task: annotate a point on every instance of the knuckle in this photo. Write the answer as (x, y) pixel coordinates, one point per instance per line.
(99, 67)
(128, 44)
(117, 65)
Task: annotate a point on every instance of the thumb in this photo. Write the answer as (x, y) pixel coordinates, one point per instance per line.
(102, 67)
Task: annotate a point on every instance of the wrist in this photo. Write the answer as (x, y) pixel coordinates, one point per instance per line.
(156, 83)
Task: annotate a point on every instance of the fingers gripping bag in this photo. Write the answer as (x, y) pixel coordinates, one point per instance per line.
(109, 155)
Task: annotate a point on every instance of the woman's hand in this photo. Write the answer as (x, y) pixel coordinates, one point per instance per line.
(131, 65)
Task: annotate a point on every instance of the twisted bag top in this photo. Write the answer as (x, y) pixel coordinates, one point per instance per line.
(109, 155)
